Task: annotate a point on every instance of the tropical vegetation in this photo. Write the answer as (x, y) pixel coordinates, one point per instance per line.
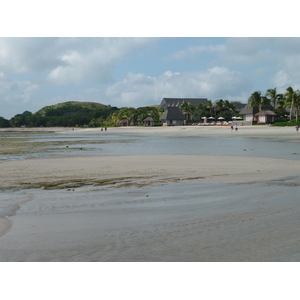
(71, 114)
(220, 109)
(91, 114)
(285, 105)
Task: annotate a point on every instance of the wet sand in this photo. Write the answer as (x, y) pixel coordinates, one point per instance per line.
(152, 207)
(261, 131)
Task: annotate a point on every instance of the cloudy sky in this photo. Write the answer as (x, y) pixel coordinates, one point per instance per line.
(183, 50)
(37, 71)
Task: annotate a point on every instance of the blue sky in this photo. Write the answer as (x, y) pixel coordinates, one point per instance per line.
(35, 72)
(179, 51)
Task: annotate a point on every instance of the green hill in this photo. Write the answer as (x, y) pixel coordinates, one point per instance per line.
(71, 113)
(70, 107)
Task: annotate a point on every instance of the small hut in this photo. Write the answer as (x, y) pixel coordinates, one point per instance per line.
(265, 116)
(124, 122)
(148, 121)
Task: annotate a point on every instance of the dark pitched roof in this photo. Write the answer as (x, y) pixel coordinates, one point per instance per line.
(214, 104)
(239, 106)
(176, 102)
(254, 110)
(266, 112)
(172, 113)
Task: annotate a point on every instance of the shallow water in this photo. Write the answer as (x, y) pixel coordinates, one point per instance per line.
(111, 144)
(195, 221)
(191, 221)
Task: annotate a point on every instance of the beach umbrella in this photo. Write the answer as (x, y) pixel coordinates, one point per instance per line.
(233, 118)
(220, 118)
(203, 118)
(239, 118)
(211, 118)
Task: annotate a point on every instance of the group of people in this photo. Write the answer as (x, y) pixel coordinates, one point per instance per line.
(236, 128)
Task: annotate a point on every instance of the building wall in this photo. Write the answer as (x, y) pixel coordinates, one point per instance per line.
(174, 122)
(261, 119)
(249, 118)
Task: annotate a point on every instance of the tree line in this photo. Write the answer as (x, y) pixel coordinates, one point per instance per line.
(225, 109)
(71, 115)
(290, 100)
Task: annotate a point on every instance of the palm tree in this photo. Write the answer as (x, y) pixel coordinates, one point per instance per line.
(153, 112)
(185, 107)
(161, 111)
(273, 96)
(230, 106)
(193, 109)
(201, 106)
(200, 111)
(290, 99)
(209, 106)
(256, 99)
(115, 117)
(297, 104)
(281, 104)
(188, 109)
(219, 106)
(127, 113)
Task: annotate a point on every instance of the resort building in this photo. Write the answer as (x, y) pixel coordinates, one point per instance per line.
(265, 116)
(172, 115)
(253, 114)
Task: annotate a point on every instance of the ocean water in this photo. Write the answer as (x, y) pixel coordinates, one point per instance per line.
(111, 144)
(192, 221)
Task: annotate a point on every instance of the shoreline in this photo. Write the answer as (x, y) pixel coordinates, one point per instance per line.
(75, 171)
(264, 131)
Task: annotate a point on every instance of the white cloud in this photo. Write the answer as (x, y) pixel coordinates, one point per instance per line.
(31, 70)
(281, 79)
(215, 83)
(68, 60)
(15, 90)
(289, 75)
(96, 61)
(15, 95)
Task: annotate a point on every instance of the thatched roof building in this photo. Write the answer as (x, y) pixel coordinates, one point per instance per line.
(265, 116)
(149, 121)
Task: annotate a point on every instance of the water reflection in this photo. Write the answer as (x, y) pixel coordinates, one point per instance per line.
(93, 144)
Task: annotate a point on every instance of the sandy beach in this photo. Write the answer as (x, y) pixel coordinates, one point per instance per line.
(156, 168)
(254, 131)
(151, 207)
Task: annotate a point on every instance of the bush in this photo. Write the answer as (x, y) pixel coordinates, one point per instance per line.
(286, 123)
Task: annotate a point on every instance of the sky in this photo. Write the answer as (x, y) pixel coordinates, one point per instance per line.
(139, 67)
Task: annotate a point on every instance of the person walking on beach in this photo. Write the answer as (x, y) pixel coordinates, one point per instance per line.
(236, 128)
(297, 128)
(231, 128)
